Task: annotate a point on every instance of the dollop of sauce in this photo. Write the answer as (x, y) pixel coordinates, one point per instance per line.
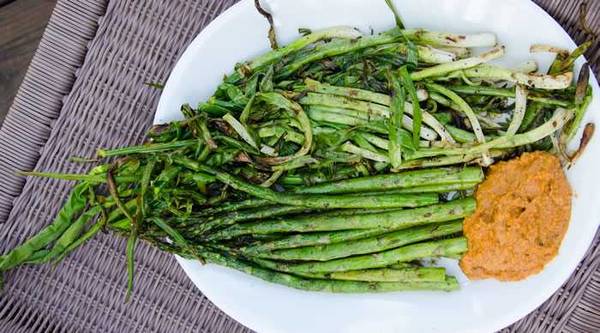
(522, 215)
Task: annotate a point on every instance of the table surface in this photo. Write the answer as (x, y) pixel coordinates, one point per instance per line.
(22, 23)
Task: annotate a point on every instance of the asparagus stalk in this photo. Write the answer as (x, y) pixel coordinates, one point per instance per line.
(309, 239)
(388, 275)
(456, 256)
(437, 188)
(367, 245)
(323, 285)
(425, 177)
(437, 248)
(402, 265)
(312, 201)
(241, 216)
(233, 206)
(393, 220)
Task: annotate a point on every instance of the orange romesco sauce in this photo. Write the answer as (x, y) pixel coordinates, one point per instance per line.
(523, 211)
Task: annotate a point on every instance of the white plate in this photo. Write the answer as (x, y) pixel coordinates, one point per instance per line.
(482, 306)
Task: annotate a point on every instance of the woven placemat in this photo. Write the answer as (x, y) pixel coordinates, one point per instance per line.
(85, 89)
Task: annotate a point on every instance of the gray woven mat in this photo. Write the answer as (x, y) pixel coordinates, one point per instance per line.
(85, 89)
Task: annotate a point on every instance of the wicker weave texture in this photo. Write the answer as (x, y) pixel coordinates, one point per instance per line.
(85, 89)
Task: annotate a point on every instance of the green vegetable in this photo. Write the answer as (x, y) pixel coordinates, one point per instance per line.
(367, 245)
(420, 274)
(395, 122)
(309, 239)
(147, 148)
(323, 285)
(407, 179)
(328, 164)
(72, 207)
(417, 116)
(391, 220)
(67, 238)
(315, 201)
(437, 248)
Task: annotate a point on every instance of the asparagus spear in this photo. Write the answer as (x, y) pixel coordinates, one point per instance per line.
(315, 200)
(367, 245)
(309, 239)
(323, 285)
(240, 216)
(438, 248)
(387, 275)
(264, 213)
(442, 188)
(233, 206)
(402, 265)
(392, 220)
(438, 176)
